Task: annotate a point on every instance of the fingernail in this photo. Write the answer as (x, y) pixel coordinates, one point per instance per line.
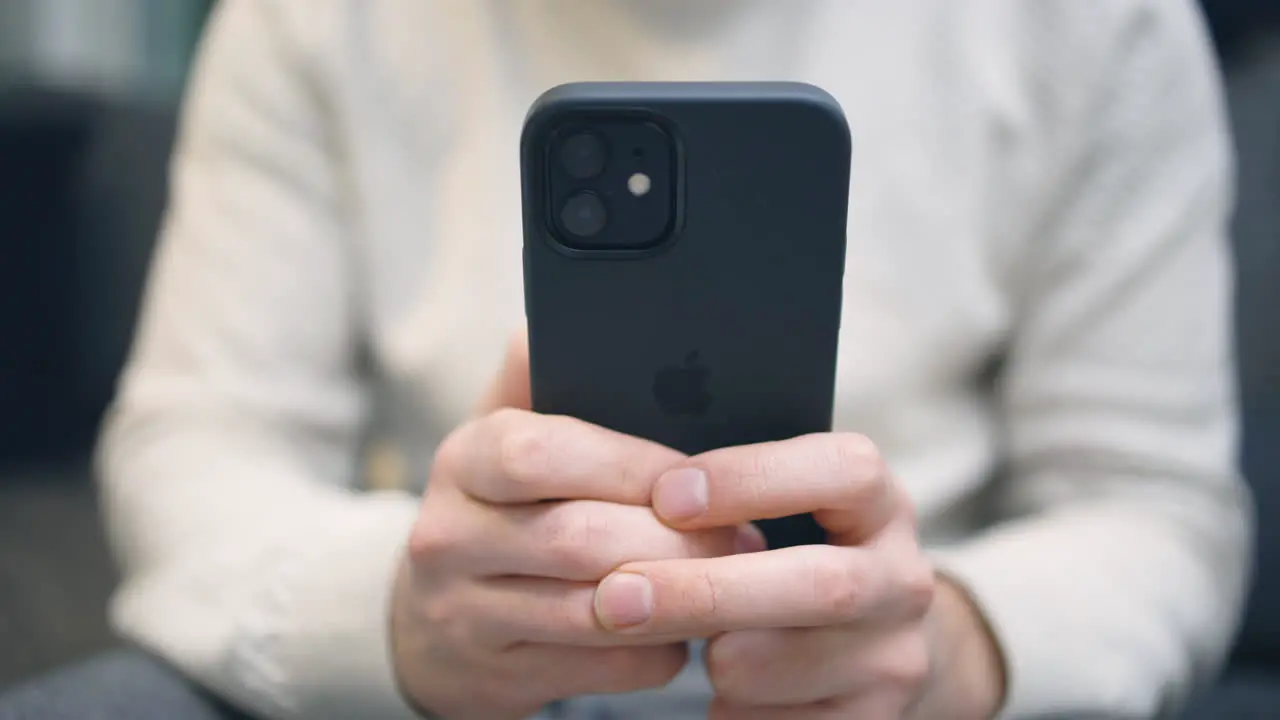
(749, 540)
(681, 494)
(624, 600)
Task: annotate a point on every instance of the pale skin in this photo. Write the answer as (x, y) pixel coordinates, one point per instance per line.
(553, 558)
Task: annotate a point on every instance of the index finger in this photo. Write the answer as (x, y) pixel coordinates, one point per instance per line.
(808, 586)
(841, 478)
(517, 456)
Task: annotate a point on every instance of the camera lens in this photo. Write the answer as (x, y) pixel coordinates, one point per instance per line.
(583, 156)
(584, 215)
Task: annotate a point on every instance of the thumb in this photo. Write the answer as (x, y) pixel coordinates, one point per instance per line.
(510, 389)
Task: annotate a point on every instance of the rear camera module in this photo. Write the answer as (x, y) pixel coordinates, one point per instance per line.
(610, 182)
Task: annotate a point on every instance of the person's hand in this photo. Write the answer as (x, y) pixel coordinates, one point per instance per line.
(492, 614)
(855, 629)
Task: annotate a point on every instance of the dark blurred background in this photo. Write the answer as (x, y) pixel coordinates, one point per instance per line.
(88, 94)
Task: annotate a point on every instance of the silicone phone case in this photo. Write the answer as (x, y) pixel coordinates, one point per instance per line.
(726, 334)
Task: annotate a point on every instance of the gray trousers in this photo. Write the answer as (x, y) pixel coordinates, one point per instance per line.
(123, 685)
(131, 685)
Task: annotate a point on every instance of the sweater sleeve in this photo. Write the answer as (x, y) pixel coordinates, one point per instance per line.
(1114, 580)
(247, 562)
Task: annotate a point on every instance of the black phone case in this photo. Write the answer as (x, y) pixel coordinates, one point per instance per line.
(735, 321)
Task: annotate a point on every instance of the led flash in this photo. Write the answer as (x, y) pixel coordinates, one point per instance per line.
(639, 184)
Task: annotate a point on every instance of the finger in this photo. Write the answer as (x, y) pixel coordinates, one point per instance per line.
(806, 586)
(841, 478)
(516, 456)
(515, 611)
(722, 709)
(875, 707)
(749, 539)
(510, 388)
(565, 672)
(811, 665)
(580, 540)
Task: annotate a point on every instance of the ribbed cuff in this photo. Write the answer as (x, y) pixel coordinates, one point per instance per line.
(339, 639)
(1049, 644)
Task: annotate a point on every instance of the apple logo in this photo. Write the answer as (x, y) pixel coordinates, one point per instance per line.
(682, 389)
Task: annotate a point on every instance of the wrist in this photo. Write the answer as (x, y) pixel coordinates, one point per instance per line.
(968, 676)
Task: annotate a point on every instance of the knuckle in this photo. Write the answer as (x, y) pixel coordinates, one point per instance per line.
(918, 582)
(505, 417)
(735, 663)
(575, 615)
(857, 453)
(906, 666)
(575, 539)
(451, 456)
(753, 466)
(446, 619)
(429, 544)
(452, 619)
(638, 466)
(524, 452)
(839, 586)
(702, 607)
(859, 457)
(463, 633)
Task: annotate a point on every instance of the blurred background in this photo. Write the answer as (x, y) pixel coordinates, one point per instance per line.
(88, 96)
(88, 92)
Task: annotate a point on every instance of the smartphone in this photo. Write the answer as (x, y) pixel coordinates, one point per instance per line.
(684, 249)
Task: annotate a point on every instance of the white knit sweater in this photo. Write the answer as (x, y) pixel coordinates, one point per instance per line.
(1046, 182)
